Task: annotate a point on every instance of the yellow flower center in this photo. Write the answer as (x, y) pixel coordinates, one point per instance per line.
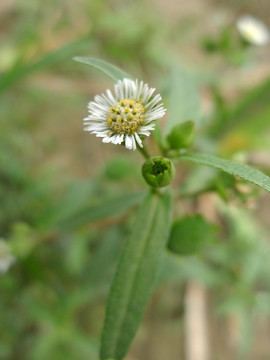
(126, 116)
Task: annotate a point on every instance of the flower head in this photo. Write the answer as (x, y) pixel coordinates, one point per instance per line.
(126, 115)
(253, 30)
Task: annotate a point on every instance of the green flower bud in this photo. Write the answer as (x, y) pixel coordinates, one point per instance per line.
(182, 135)
(158, 171)
(190, 235)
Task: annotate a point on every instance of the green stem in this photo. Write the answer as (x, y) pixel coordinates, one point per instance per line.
(144, 152)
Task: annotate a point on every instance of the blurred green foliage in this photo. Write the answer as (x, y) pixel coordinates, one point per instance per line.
(65, 227)
(190, 235)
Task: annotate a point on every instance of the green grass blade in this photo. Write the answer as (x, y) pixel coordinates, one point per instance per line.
(135, 275)
(248, 111)
(243, 171)
(108, 69)
(19, 71)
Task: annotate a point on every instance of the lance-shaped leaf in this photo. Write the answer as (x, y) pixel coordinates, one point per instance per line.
(183, 99)
(21, 70)
(135, 275)
(243, 171)
(107, 207)
(108, 69)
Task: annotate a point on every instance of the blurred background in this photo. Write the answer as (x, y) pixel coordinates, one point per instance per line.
(67, 200)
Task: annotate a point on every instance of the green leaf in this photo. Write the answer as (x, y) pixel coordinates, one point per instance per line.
(108, 69)
(75, 199)
(190, 234)
(183, 99)
(135, 275)
(243, 171)
(19, 71)
(182, 135)
(105, 208)
(107, 252)
(250, 111)
(120, 167)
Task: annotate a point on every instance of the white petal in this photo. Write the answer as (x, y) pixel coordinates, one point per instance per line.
(101, 133)
(147, 94)
(153, 102)
(110, 97)
(133, 90)
(128, 142)
(138, 139)
(153, 116)
(99, 102)
(94, 127)
(136, 90)
(120, 138)
(92, 120)
(102, 100)
(119, 90)
(126, 88)
(144, 132)
(133, 143)
(107, 139)
(148, 127)
(114, 139)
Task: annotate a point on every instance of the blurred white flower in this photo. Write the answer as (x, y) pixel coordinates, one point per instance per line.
(253, 30)
(6, 259)
(126, 115)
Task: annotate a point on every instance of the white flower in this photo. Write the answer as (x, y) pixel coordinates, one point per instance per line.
(253, 30)
(126, 115)
(6, 259)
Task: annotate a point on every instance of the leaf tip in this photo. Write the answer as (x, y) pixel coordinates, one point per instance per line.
(76, 58)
